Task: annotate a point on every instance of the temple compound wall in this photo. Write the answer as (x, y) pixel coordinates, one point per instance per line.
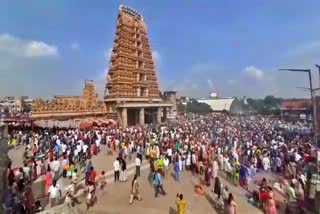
(71, 106)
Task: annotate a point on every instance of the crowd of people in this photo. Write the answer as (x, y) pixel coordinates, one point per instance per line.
(208, 145)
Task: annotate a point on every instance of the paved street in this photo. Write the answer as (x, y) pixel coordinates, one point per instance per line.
(115, 198)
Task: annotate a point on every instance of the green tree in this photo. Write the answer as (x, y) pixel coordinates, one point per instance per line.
(195, 107)
(272, 102)
(181, 108)
(268, 105)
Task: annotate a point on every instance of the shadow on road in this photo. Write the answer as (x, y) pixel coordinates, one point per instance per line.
(214, 203)
(172, 211)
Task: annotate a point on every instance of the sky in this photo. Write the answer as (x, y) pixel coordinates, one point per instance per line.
(231, 47)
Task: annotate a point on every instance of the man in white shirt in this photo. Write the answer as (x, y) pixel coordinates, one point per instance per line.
(98, 144)
(54, 194)
(84, 150)
(138, 164)
(166, 166)
(27, 174)
(79, 150)
(56, 168)
(297, 157)
(116, 168)
(75, 179)
(266, 163)
(64, 149)
(169, 153)
(76, 156)
(278, 164)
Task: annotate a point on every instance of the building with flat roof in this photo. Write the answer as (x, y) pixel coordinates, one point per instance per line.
(221, 104)
(10, 104)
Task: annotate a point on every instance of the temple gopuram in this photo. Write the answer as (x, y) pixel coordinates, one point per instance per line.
(132, 94)
(70, 106)
(132, 90)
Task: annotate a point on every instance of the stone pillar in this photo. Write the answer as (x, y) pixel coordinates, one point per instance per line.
(141, 117)
(124, 117)
(159, 115)
(136, 117)
(168, 112)
(119, 116)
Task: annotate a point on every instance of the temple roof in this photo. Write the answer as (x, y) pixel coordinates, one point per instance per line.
(66, 96)
(130, 11)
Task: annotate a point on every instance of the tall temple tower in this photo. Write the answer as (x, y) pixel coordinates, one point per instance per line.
(132, 70)
(131, 82)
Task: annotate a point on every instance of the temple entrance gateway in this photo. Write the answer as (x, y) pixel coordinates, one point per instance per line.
(128, 116)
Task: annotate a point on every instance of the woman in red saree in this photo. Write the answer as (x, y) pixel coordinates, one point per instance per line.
(271, 204)
(48, 179)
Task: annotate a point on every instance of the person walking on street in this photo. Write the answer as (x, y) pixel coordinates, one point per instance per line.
(102, 181)
(231, 205)
(91, 197)
(134, 189)
(181, 204)
(166, 167)
(158, 183)
(87, 173)
(116, 168)
(56, 168)
(123, 176)
(48, 179)
(54, 193)
(138, 165)
(217, 187)
(176, 170)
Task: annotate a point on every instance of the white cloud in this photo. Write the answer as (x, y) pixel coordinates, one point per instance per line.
(40, 49)
(107, 54)
(230, 83)
(156, 56)
(30, 67)
(6, 38)
(254, 72)
(11, 45)
(75, 46)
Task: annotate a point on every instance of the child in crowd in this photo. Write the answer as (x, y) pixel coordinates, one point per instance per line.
(102, 180)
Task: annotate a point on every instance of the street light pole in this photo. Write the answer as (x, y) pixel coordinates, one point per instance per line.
(318, 66)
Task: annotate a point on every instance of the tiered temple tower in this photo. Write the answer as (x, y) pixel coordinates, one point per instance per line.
(132, 70)
(89, 92)
(131, 83)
